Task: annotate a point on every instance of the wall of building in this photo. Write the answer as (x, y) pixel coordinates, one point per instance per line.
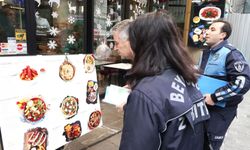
(240, 37)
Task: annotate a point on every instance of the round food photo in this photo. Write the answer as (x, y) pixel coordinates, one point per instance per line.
(69, 106)
(32, 109)
(66, 71)
(94, 119)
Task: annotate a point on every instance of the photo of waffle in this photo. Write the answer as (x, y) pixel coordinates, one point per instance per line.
(69, 106)
(92, 91)
(36, 139)
(94, 119)
(72, 131)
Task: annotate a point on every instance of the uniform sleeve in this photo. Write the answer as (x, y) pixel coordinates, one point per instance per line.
(140, 127)
(238, 75)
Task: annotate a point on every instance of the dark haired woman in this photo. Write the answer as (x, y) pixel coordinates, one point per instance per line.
(164, 110)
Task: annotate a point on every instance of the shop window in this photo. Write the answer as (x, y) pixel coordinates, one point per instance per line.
(107, 14)
(12, 28)
(59, 26)
(137, 7)
(176, 8)
(201, 17)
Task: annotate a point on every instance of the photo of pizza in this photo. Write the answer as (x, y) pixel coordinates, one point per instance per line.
(66, 71)
(72, 131)
(36, 139)
(94, 119)
(69, 106)
(33, 109)
(210, 13)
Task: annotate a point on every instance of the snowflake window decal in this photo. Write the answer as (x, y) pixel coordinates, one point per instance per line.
(71, 39)
(118, 6)
(39, 2)
(52, 44)
(53, 31)
(98, 11)
(108, 22)
(71, 19)
(54, 14)
(99, 27)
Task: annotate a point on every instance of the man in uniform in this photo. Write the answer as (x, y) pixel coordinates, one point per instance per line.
(222, 61)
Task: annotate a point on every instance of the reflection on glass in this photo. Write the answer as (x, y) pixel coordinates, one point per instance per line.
(107, 13)
(137, 7)
(176, 8)
(12, 28)
(59, 26)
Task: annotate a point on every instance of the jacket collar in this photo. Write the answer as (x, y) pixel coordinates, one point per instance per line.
(219, 46)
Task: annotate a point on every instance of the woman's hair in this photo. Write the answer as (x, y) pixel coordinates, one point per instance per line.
(157, 45)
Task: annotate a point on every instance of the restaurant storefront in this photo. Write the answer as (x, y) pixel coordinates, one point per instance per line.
(32, 29)
(50, 27)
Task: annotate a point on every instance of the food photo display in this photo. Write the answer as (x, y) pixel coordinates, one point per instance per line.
(48, 100)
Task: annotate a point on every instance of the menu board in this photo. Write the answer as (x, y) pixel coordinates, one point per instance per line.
(203, 13)
(47, 101)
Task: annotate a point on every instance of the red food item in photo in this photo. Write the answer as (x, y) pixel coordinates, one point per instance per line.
(72, 131)
(210, 13)
(94, 119)
(42, 70)
(35, 109)
(28, 74)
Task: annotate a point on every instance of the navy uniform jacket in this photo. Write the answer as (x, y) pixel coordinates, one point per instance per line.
(227, 63)
(163, 112)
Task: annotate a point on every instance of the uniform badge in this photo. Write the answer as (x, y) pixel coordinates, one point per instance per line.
(239, 66)
(215, 57)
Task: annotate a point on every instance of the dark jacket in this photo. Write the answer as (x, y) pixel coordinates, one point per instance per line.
(164, 112)
(227, 63)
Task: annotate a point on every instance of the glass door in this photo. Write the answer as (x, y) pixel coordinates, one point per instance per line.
(13, 39)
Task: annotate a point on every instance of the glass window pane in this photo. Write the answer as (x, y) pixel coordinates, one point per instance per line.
(12, 28)
(176, 8)
(59, 26)
(136, 8)
(107, 14)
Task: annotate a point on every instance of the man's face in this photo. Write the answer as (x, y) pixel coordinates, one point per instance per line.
(122, 46)
(214, 35)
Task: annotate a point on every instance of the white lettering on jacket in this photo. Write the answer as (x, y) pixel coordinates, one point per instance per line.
(178, 86)
(199, 110)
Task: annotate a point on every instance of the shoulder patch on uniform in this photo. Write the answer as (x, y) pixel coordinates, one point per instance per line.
(239, 66)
